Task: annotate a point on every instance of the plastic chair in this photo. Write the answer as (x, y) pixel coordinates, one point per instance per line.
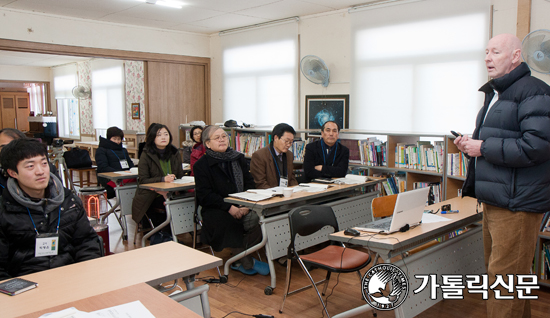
(308, 220)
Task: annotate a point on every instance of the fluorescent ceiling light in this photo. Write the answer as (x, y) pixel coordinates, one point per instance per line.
(165, 3)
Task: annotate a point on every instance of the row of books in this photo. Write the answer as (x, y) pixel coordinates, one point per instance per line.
(457, 164)
(435, 192)
(249, 143)
(299, 149)
(545, 261)
(393, 184)
(421, 156)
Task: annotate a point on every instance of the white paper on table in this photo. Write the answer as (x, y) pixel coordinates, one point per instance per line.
(125, 172)
(432, 218)
(185, 179)
(270, 191)
(68, 313)
(351, 179)
(134, 309)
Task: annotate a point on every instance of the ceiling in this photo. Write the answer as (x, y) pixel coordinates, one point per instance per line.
(199, 16)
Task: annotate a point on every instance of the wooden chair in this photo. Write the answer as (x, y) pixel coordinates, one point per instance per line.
(81, 180)
(383, 206)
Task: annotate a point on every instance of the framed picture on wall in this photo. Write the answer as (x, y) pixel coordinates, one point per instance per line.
(322, 108)
(135, 110)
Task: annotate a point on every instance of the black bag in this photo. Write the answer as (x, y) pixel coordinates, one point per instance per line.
(77, 158)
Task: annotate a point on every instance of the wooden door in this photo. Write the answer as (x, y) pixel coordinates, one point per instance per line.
(8, 111)
(22, 104)
(177, 93)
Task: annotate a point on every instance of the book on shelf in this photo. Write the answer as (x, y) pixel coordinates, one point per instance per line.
(299, 149)
(372, 151)
(434, 195)
(248, 143)
(16, 286)
(420, 156)
(457, 164)
(354, 152)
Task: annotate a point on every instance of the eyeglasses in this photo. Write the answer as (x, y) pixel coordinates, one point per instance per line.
(197, 133)
(219, 138)
(287, 141)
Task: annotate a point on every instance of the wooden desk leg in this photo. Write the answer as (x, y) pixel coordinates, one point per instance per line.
(88, 181)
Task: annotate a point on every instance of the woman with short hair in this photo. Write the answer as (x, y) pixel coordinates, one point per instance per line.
(218, 173)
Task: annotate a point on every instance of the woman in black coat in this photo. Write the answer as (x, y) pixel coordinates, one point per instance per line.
(218, 173)
(159, 162)
(110, 156)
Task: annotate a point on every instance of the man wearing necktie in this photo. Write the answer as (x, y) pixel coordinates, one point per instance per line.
(326, 157)
(272, 166)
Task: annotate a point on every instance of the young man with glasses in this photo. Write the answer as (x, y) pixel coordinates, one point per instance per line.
(272, 166)
(326, 157)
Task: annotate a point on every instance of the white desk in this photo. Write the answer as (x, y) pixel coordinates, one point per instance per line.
(124, 197)
(183, 207)
(460, 255)
(152, 265)
(351, 209)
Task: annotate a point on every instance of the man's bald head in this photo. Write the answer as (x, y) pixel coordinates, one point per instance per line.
(503, 54)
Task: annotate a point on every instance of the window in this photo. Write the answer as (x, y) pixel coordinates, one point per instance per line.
(68, 119)
(260, 75)
(108, 94)
(419, 72)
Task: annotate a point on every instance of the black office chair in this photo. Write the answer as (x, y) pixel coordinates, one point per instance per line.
(307, 220)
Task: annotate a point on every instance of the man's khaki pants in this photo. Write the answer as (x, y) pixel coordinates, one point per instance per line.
(509, 241)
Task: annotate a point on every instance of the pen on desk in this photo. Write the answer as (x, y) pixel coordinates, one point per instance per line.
(449, 212)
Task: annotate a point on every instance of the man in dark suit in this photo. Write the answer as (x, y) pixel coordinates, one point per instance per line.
(272, 166)
(326, 158)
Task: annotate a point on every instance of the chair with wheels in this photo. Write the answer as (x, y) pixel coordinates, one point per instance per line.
(309, 220)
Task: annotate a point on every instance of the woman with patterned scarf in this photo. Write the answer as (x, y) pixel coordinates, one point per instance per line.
(218, 173)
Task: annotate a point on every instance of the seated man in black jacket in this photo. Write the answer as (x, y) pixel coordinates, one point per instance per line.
(110, 156)
(42, 224)
(7, 135)
(326, 158)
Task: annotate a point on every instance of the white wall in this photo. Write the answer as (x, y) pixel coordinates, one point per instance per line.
(25, 73)
(329, 37)
(14, 25)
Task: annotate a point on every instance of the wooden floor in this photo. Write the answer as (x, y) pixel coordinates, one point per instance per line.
(246, 293)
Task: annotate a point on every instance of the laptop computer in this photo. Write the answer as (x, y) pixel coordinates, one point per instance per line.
(408, 209)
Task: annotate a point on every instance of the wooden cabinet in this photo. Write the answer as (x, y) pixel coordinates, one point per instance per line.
(14, 110)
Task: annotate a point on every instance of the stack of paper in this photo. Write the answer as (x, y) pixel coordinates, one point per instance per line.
(311, 187)
(351, 179)
(185, 179)
(250, 196)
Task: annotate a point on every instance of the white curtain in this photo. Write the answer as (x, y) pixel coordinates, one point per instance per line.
(37, 97)
(108, 93)
(260, 70)
(68, 120)
(64, 80)
(417, 66)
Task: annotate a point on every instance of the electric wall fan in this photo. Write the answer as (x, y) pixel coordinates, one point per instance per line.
(536, 50)
(81, 91)
(315, 70)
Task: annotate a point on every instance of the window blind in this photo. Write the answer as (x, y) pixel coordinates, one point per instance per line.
(417, 66)
(260, 75)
